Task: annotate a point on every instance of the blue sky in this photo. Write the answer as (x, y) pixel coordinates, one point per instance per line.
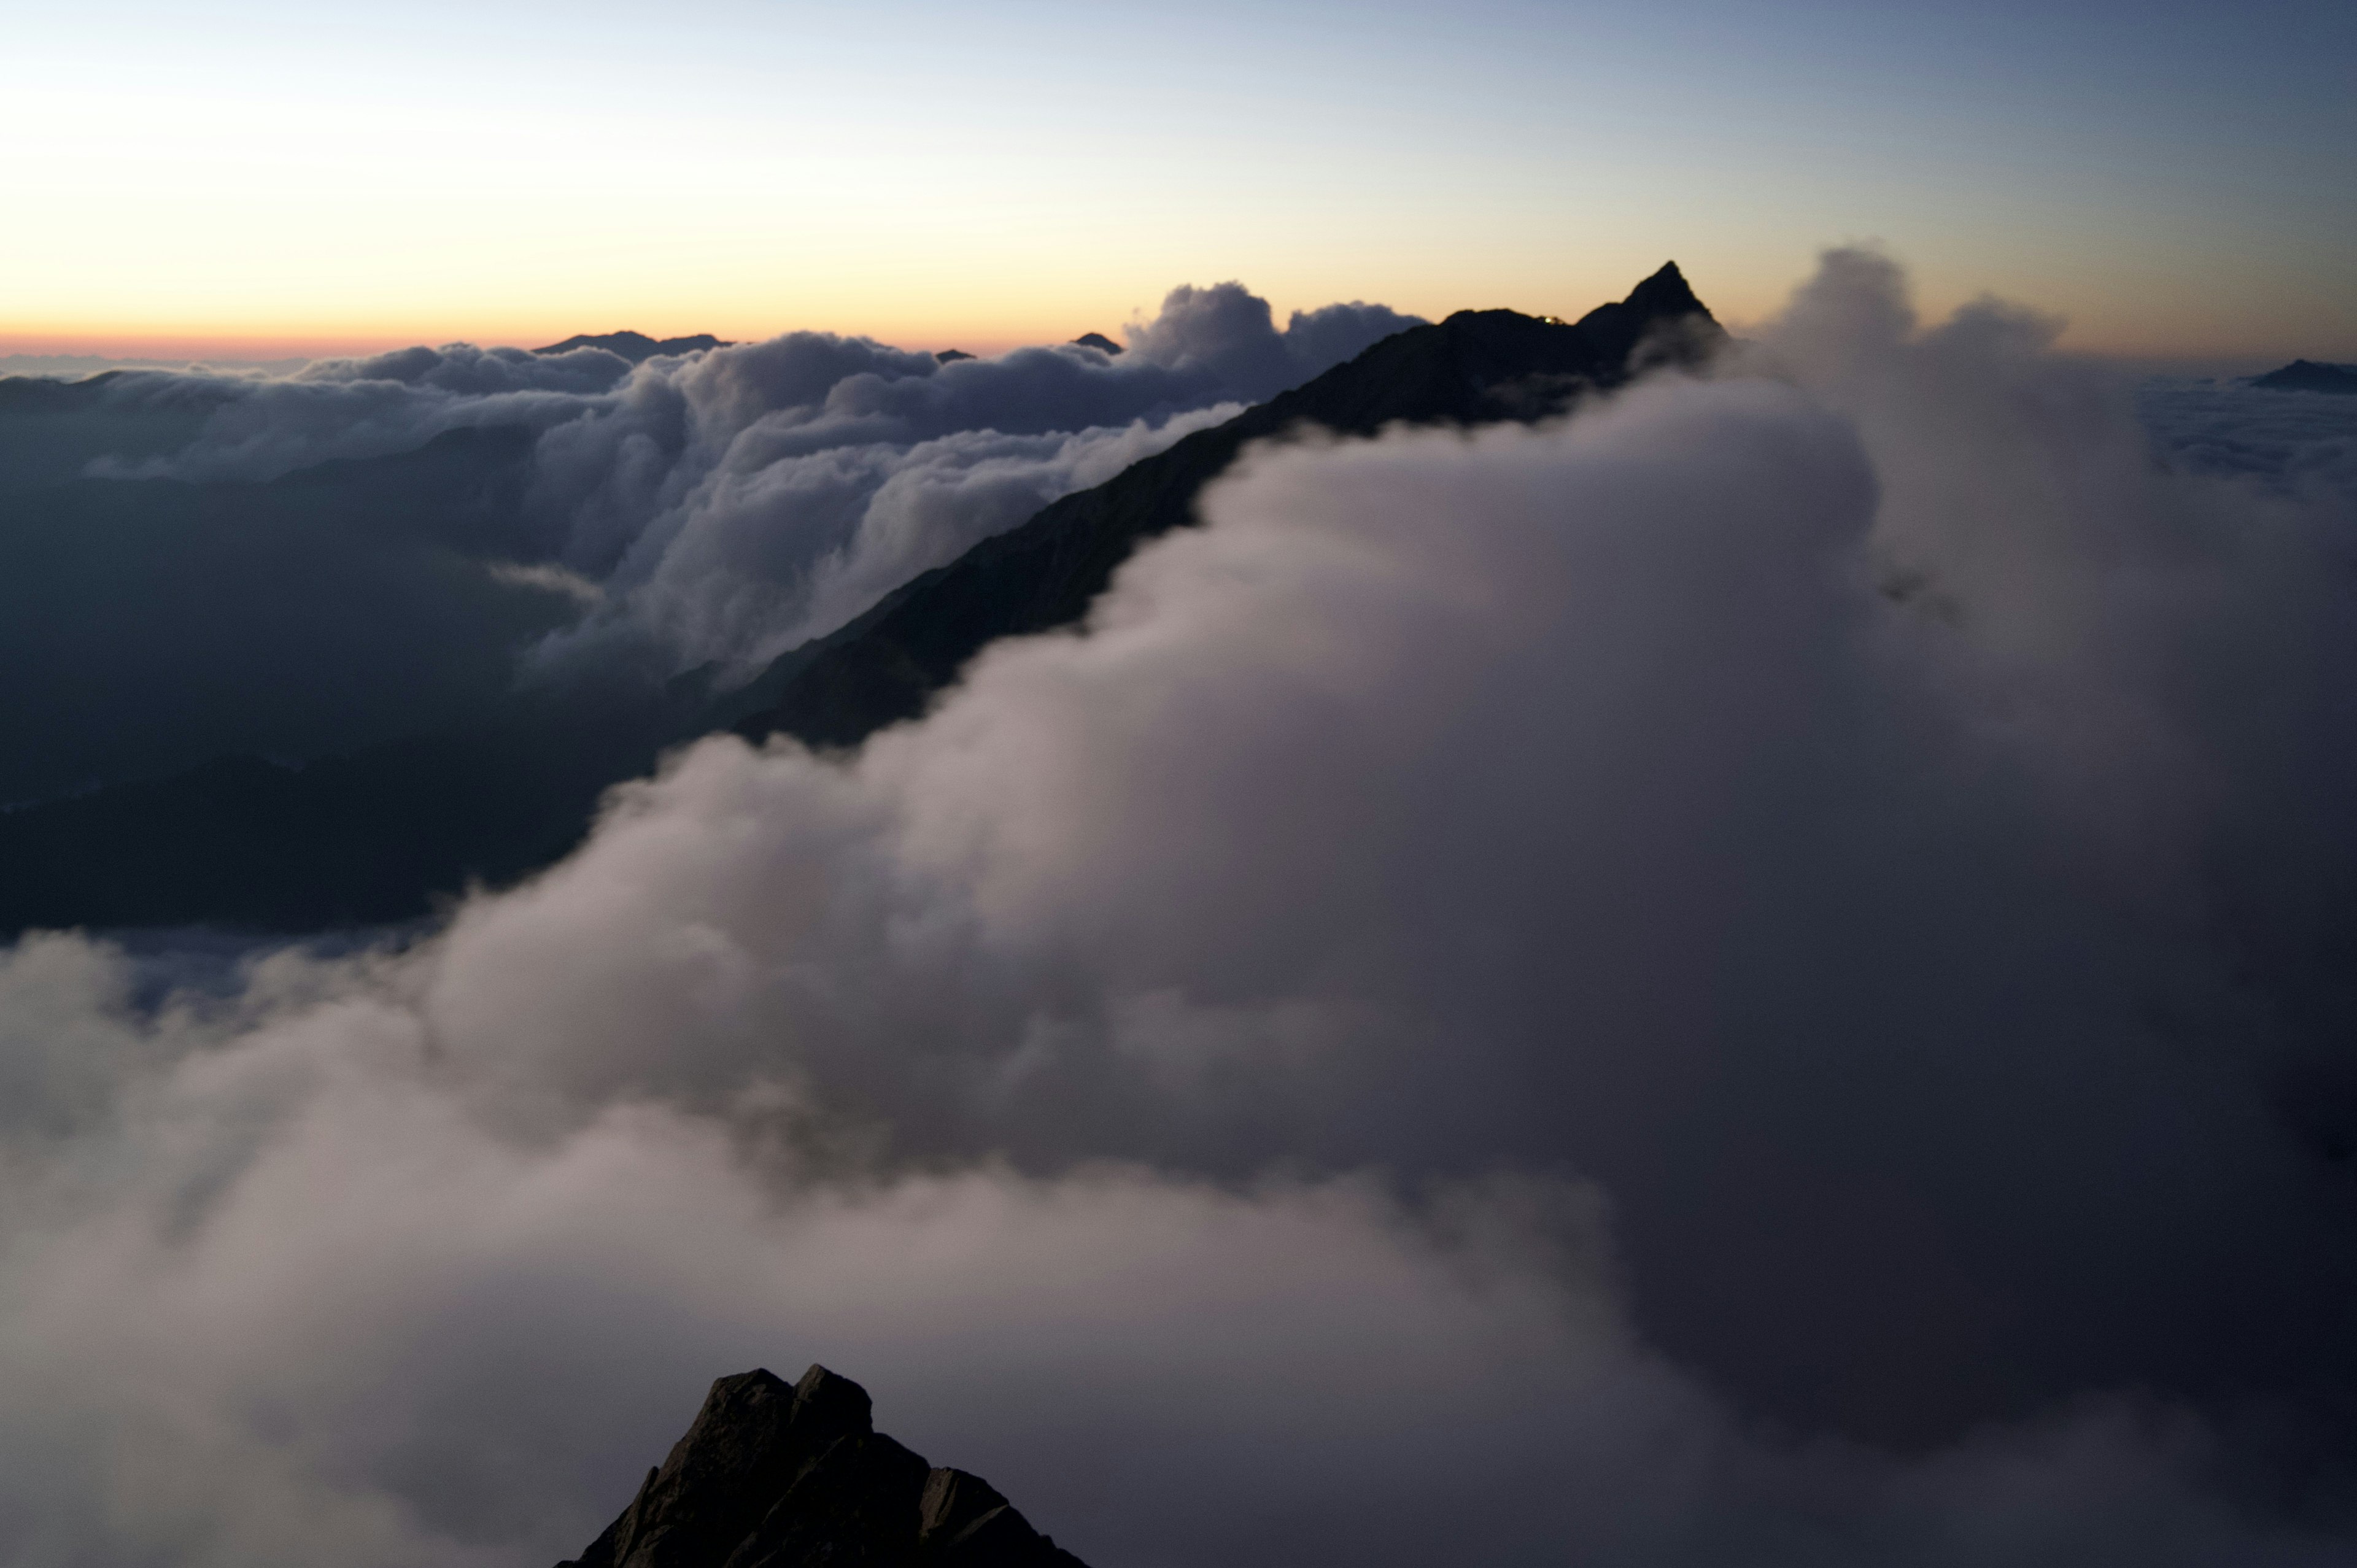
(2174, 179)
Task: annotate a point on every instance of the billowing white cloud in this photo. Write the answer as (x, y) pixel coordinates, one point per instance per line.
(1227, 332)
(1751, 975)
(758, 537)
(761, 495)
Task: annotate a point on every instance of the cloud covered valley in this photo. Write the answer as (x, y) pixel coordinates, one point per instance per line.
(296, 565)
(1761, 971)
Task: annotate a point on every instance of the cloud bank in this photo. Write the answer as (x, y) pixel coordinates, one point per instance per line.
(1761, 972)
(371, 548)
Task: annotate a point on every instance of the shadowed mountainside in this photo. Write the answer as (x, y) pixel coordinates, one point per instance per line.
(772, 1476)
(491, 784)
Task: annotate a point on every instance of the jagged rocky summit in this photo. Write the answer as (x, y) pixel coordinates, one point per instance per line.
(777, 1477)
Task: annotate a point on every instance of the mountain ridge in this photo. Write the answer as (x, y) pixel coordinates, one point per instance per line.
(1475, 367)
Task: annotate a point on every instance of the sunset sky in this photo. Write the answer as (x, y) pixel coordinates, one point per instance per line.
(262, 178)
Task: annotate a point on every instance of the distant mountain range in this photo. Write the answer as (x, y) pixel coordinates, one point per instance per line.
(2307, 375)
(382, 832)
(1097, 340)
(777, 1477)
(635, 347)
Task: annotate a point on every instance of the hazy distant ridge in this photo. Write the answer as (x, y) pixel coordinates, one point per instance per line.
(635, 347)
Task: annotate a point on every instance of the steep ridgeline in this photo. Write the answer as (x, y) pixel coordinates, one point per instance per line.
(1477, 367)
(772, 1476)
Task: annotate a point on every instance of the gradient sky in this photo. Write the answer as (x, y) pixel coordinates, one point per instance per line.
(260, 177)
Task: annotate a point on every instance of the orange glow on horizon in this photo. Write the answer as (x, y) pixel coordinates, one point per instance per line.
(992, 314)
(176, 346)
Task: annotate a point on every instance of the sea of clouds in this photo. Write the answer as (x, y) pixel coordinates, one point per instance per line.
(1762, 973)
(739, 502)
(182, 573)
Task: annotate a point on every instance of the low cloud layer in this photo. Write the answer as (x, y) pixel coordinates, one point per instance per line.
(1761, 973)
(2301, 441)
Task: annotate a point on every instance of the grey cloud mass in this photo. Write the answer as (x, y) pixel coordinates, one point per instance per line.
(1757, 975)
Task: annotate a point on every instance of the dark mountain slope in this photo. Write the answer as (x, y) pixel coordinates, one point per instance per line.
(1477, 367)
(2307, 375)
(771, 1476)
(365, 838)
(494, 783)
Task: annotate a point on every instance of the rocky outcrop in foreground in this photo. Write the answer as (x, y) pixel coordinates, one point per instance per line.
(777, 1477)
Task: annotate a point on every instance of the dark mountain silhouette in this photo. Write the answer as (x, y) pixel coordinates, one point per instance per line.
(53, 391)
(952, 356)
(485, 791)
(46, 434)
(772, 1476)
(366, 838)
(2307, 375)
(1097, 340)
(1477, 367)
(635, 347)
(377, 834)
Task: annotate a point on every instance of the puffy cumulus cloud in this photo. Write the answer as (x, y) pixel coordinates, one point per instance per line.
(1228, 332)
(1758, 973)
(766, 495)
